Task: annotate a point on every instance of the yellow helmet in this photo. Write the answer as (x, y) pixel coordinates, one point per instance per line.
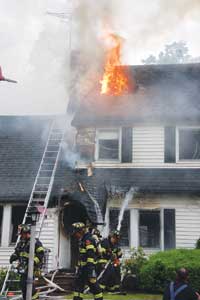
(77, 227)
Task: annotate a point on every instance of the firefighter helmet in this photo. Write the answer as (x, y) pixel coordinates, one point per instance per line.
(115, 234)
(77, 227)
(24, 228)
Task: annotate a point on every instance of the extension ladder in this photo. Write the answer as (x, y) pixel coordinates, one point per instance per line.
(43, 184)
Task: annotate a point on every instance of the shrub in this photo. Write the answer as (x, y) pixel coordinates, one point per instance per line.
(133, 264)
(161, 268)
(198, 244)
(131, 267)
(13, 276)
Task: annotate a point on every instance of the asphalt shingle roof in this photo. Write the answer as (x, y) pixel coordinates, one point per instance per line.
(167, 94)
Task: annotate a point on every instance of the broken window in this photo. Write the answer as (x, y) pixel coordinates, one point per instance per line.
(189, 143)
(17, 218)
(1, 218)
(125, 228)
(108, 144)
(149, 229)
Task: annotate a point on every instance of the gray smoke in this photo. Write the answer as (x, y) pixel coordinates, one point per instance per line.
(145, 26)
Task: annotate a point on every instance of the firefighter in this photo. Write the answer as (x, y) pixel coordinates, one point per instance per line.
(21, 254)
(110, 259)
(86, 269)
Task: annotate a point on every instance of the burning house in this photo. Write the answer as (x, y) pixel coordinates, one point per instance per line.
(144, 135)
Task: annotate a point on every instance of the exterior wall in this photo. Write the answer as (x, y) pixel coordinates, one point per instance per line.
(187, 222)
(49, 237)
(147, 148)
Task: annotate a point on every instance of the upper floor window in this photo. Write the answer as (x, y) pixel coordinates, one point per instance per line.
(108, 144)
(188, 144)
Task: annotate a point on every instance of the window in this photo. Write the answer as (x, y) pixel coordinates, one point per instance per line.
(125, 228)
(108, 141)
(189, 143)
(1, 218)
(149, 229)
(17, 218)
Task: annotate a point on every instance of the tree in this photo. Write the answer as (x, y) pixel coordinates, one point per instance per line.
(174, 53)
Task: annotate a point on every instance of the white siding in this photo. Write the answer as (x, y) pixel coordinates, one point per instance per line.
(49, 236)
(148, 152)
(148, 145)
(187, 217)
(187, 227)
(5, 253)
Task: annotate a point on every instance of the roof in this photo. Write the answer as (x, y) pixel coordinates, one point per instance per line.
(22, 143)
(148, 180)
(161, 93)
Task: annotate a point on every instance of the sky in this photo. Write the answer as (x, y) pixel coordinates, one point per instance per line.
(34, 45)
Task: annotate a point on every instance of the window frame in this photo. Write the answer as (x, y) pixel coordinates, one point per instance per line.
(98, 130)
(161, 234)
(178, 160)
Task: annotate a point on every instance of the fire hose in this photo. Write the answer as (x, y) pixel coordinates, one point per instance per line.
(100, 275)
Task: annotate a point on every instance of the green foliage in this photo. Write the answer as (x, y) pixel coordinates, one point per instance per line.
(174, 53)
(198, 244)
(161, 268)
(13, 276)
(133, 264)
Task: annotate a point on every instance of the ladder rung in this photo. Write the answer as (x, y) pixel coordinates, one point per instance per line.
(55, 139)
(44, 177)
(56, 133)
(38, 200)
(40, 192)
(49, 151)
(10, 280)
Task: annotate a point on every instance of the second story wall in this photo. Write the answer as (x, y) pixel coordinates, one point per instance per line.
(148, 146)
(140, 147)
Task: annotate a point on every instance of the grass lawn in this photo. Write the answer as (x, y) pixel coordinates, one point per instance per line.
(136, 296)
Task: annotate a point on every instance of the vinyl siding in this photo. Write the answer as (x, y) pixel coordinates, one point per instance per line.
(187, 222)
(48, 237)
(5, 253)
(148, 145)
(187, 227)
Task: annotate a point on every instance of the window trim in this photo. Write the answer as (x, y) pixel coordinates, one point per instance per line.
(178, 160)
(161, 234)
(119, 129)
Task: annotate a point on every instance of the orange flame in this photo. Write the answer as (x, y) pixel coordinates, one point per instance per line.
(115, 81)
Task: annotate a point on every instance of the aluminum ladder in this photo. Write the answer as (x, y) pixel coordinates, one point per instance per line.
(43, 183)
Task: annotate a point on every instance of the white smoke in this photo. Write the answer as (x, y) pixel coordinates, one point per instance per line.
(34, 51)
